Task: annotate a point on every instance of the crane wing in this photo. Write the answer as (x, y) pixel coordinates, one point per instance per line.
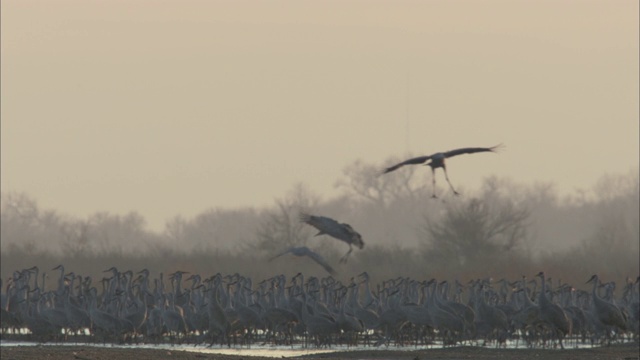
(280, 254)
(305, 251)
(324, 224)
(321, 261)
(471, 150)
(413, 161)
(328, 226)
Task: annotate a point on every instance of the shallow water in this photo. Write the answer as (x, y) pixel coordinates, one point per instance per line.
(265, 351)
(269, 350)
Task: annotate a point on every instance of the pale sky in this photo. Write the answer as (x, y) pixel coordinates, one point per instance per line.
(174, 107)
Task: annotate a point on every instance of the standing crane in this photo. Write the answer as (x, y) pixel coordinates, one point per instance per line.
(552, 314)
(341, 231)
(438, 161)
(607, 313)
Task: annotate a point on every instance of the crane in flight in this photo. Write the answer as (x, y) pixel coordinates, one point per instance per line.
(341, 231)
(438, 161)
(305, 251)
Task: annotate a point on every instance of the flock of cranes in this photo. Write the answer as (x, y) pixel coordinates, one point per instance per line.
(225, 309)
(133, 307)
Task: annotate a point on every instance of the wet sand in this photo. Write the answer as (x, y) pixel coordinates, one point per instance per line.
(626, 351)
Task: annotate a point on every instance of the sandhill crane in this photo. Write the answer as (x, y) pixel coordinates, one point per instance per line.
(489, 320)
(77, 317)
(56, 317)
(369, 317)
(340, 231)
(248, 316)
(438, 161)
(102, 321)
(137, 311)
(219, 325)
(173, 317)
(368, 299)
(349, 324)
(318, 326)
(465, 312)
(607, 313)
(31, 319)
(553, 314)
(450, 324)
(631, 300)
(8, 317)
(305, 251)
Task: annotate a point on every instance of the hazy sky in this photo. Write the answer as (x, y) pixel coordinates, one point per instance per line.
(173, 107)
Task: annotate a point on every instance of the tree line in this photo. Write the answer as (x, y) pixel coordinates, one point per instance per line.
(502, 229)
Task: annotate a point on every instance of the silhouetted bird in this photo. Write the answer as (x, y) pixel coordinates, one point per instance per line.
(328, 226)
(305, 251)
(438, 161)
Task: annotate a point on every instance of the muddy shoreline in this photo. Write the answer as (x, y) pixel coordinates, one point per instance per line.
(627, 351)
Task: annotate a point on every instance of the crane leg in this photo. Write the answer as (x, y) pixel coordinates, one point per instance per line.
(343, 259)
(446, 176)
(433, 182)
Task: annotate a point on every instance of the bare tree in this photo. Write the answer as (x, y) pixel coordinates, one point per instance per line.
(281, 227)
(363, 181)
(76, 241)
(19, 221)
(612, 246)
(26, 226)
(471, 232)
(214, 229)
(614, 243)
(175, 229)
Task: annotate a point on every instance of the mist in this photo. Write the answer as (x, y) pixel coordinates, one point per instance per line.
(503, 229)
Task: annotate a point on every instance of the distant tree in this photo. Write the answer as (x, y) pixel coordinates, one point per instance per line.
(25, 226)
(281, 227)
(611, 248)
(614, 245)
(75, 241)
(214, 229)
(19, 208)
(472, 232)
(175, 229)
(363, 181)
(114, 234)
(18, 217)
(615, 186)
